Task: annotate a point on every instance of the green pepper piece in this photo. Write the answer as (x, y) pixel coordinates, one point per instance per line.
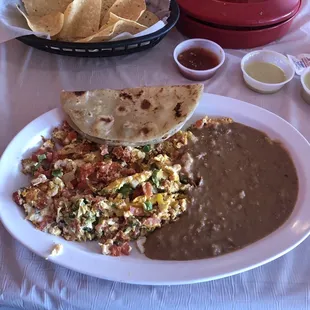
(148, 206)
(41, 157)
(154, 177)
(57, 173)
(184, 179)
(125, 190)
(146, 148)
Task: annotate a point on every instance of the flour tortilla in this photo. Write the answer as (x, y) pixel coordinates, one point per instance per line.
(131, 117)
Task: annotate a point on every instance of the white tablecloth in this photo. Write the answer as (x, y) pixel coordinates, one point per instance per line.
(30, 82)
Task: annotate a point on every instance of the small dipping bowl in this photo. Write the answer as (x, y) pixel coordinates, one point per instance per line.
(199, 75)
(274, 58)
(305, 82)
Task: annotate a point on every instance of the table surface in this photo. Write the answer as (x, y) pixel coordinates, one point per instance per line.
(30, 82)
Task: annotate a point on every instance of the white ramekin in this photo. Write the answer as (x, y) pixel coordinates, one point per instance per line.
(271, 57)
(305, 91)
(198, 75)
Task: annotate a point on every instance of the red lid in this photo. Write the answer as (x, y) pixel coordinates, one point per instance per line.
(230, 37)
(241, 13)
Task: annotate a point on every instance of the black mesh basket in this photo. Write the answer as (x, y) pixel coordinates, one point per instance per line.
(105, 49)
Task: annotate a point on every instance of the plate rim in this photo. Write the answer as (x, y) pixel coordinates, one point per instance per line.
(186, 278)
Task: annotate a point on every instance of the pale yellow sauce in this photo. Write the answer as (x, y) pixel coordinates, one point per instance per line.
(265, 72)
(307, 80)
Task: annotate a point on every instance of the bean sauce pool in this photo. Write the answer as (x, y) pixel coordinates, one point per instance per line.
(246, 187)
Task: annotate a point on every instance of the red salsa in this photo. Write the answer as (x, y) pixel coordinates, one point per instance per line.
(198, 59)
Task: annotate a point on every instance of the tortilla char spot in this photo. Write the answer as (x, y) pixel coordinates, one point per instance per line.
(103, 124)
(125, 96)
(145, 130)
(78, 113)
(107, 119)
(79, 93)
(145, 104)
(139, 94)
(121, 109)
(161, 90)
(177, 110)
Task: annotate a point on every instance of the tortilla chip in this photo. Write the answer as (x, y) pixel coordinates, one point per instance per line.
(114, 26)
(112, 20)
(45, 7)
(128, 9)
(105, 6)
(148, 19)
(127, 26)
(51, 23)
(82, 19)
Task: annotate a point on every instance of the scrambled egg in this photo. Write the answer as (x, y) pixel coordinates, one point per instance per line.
(134, 181)
(57, 250)
(83, 191)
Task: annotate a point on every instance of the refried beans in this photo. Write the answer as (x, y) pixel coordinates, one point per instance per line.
(245, 186)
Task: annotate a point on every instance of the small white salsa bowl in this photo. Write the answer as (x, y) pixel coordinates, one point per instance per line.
(269, 57)
(198, 75)
(305, 91)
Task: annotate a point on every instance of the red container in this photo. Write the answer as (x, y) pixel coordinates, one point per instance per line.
(237, 23)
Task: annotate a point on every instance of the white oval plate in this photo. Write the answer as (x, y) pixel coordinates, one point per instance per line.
(136, 268)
